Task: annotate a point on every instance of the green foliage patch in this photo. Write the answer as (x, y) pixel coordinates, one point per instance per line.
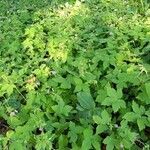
(75, 75)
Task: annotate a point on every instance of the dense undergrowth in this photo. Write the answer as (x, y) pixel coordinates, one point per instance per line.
(74, 75)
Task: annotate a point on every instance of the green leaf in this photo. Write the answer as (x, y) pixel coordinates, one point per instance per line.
(130, 116)
(89, 77)
(14, 121)
(101, 128)
(96, 142)
(147, 87)
(8, 88)
(102, 94)
(111, 92)
(119, 93)
(108, 101)
(67, 109)
(106, 119)
(135, 107)
(41, 141)
(86, 145)
(115, 103)
(61, 108)
(78, 83)
(110, 142)
(148, 115)
(66, 84)
(85, 100)
(118, 104)
(128, 137)
(17, 145)
(62, 142)
(97, 119)
(144, 96)
(141, 124)
(102, 121)
(14, 103)
(88, 135)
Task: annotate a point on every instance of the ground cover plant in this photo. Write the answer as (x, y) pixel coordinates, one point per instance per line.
(75, 75)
